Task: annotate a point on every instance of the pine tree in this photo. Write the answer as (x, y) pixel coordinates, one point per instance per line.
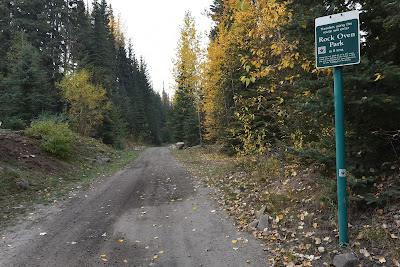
(5, 34)
(77, 32)
(27, 92)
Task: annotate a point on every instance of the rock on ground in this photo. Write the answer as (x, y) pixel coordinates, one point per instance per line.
(345, 260)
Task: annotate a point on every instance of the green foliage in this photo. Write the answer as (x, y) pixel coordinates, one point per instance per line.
(27, 93)
(56, 137)
(13, 123)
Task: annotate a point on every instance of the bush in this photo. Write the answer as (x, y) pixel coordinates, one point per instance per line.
(56, 136)
(14, 124)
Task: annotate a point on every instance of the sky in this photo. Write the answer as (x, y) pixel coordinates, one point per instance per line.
(154, 28)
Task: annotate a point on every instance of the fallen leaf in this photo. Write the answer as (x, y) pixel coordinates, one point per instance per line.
(155, 257)
(393, 236)
(105, 234)
(125, 261)
(248, 261)
(194, 208)
(161, 252)
(121, 240)
(365, 252)
(327, 239)
(382, 259)
(43, 233)
(104, 260)
(396, 263)
(315, 225)
(317, 240)
(321, 249)
(234, 241)
(3, 237)
(137, 241)
(103, 256)
(378, 77)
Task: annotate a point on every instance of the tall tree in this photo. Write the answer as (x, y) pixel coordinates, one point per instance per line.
(5, 34)
(187, 96)
(27, 92)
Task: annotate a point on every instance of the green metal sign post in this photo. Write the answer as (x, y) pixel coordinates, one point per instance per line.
(337, 43)
(340, 155)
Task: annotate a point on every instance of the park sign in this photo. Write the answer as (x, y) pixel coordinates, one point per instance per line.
(337, 43)
(337, 39)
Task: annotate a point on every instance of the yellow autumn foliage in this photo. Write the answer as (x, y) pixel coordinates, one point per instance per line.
(87, 103)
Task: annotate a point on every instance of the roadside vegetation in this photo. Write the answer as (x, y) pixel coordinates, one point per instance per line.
(302, 227)
(45, 162)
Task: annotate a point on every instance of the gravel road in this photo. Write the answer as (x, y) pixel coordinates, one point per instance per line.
(152, 213)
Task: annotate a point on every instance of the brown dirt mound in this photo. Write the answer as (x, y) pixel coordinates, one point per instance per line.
(14, 147)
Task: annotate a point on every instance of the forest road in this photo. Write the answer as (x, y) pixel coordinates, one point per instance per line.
(151, 213)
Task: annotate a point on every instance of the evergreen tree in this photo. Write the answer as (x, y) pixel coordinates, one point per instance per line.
(77, 31)
(27, 92)
(5, 34)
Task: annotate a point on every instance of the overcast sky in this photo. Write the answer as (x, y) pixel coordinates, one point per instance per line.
(154, 27)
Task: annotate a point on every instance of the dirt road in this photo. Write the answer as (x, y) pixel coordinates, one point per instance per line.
(152, 213)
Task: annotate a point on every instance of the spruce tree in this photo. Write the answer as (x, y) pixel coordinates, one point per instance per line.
(27, 92)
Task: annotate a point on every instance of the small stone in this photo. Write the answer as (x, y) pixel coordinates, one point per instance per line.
(180, 145)
(345, 260)
(253, 225)
(104, 160)
(261, 211)
(263, 223)
(22, 183)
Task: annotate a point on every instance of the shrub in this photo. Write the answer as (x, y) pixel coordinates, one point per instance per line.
(13, 123)
(56, 136)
